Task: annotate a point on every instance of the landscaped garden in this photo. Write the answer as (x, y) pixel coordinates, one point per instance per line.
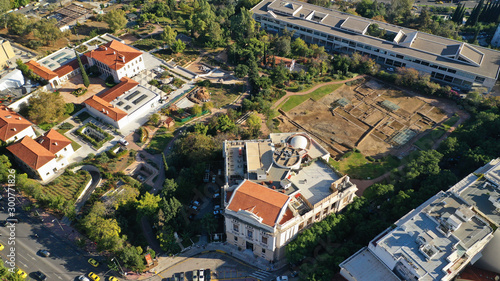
(427, 141)
(93, 134)
(160, 140)
(69, 184)
(223, 94)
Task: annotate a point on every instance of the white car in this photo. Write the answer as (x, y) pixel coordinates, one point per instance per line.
(123, 142)
(83, 278)
(201, 275)
(282, 278)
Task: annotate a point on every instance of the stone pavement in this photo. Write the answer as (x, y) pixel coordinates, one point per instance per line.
(225, 249)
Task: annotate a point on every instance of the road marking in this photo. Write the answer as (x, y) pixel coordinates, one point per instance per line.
(59, 277)
(33, 258)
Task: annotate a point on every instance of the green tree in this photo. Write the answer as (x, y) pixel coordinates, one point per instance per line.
(148, 204)
(299, 47)
(200, 128)
(168, 35)
(207, 105)
(85, 77)
(476, 12)
(169, 188)
(18, 24)
(46, 31)
(243, 25)
(132, 258)
(4, 168)
(224, 124)
(115, 19)
(46, 107)
(254, 123)
(241, 70)
(378, 190)
(127, 194)
(196, 110)
(178, 46)
(5, 5)
(154, 119)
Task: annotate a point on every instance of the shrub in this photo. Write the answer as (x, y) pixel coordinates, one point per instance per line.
(371, 159)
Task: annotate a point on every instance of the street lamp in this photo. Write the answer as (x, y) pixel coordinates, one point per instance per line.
(115, 259)
(58, 223)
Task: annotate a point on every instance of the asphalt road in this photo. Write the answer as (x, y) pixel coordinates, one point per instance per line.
(66, 261)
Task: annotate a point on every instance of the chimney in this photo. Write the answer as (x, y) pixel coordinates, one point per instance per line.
(105, 48)
(8, 116)
(123, 59)
(14, 129)
(114, 53)
(55, 143)
(107, 112)
(103, 110)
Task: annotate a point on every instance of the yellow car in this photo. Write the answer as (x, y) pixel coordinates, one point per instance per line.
(21, 273)
(2, 246)
(112, 278)
(94, 276)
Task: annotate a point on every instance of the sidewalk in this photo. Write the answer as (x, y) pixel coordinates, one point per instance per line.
(227, 250)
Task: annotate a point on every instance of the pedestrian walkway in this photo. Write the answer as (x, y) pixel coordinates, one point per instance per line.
(260, 275)
(260, 265)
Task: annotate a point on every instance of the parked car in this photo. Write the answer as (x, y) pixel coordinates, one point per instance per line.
(217, 195)
(195, 203)
(93, 262)
(44, 253)
(282, 278)
(21, 273)
(40, 276)
(83, 278)
(217, 207)
(123, 142)
(195, 275)
(196, 208)
(217, 212)
(391, 69)
(201, 276)
(94, 276)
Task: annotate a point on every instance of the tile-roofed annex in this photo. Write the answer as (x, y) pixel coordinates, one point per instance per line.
(114, 54)
(31, 153)
(53, 141)
(259, 200)
(41, 70)
(11, 123)
(70, 67)
(126, 84)
(105, 108)
(445, 59)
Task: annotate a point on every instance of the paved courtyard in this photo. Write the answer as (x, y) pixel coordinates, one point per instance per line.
(96, 86)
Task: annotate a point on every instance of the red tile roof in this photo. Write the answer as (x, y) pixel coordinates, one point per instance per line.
(114, 54)
(125, 85)
(53, 141)
(11, 123)
(287, 216)
(67, 68)
(105, 108)
(260, 200)
(31, 153)
(41, 70)
(278, 61)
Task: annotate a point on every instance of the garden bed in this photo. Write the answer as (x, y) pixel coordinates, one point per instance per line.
(93, 134)
(159, 141)
(69, 185)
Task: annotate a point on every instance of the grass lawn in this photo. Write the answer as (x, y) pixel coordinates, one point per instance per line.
(69, 186)
(224, 94)
(74, 144)
(358, 167)
(160, 140)
(317, 94)
(82, 116)
(450, 122)
(426, 142)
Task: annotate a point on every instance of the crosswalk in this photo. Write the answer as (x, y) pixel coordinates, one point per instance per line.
(261, 275)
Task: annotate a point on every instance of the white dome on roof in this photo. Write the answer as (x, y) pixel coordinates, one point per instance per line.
(299, 142)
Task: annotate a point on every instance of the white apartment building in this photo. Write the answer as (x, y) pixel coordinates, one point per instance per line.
(439, 238)
(13, 126)
(277, 187)
(449, 61)
(495, 41)
(116, 59)
(44, 156)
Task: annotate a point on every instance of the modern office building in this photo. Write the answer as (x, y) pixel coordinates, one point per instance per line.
(277, 187)
(440, 237)
(449, 61)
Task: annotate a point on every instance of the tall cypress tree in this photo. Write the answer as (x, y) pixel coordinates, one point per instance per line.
(85, 77)
(476, 12)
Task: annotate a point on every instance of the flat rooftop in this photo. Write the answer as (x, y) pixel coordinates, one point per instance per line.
(441, 250)
(58, 59)
(314, 181)
(259, 155)
(424, 46)
(367, 267)
(134, 99)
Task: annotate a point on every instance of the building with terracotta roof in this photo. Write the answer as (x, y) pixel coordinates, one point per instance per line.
(44, 156)
(116, 59)
(13, 126)
(57, 67)
(276, 188)
(439, 238)
(123, 104)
